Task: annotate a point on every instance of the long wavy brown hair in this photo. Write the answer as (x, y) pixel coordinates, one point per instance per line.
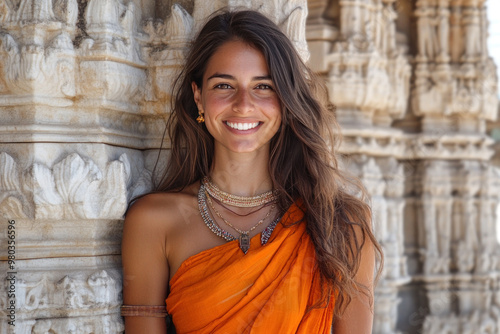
(302, 162)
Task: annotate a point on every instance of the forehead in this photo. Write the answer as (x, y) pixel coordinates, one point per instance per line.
(237, 58)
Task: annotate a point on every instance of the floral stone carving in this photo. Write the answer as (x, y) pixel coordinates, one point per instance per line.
(73, 188)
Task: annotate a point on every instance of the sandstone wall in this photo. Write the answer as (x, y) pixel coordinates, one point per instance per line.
(416, 90)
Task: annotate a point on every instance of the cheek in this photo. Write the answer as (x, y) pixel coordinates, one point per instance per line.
(272, 105)
(213, 105)
(277, 112)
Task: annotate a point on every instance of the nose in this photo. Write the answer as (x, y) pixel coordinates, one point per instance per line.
(243, 101)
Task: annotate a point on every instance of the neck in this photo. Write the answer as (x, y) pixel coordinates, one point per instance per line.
(242, 174)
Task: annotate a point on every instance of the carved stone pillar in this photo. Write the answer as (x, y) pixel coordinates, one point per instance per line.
(459, 95)
(365, 67)
(68, 164)
(454, 100)
(433, 211)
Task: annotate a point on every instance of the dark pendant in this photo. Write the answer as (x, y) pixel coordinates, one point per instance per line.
(244, 242)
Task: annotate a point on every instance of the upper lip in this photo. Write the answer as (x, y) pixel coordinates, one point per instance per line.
(242, 120)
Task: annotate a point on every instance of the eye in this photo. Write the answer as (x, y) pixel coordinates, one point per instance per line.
(263, 86)
(223, 86)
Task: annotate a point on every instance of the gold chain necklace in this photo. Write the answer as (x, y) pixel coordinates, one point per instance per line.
(242, 214)
(244, 238)
(238, 201)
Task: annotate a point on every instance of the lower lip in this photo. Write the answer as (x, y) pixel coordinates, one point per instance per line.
(249, 131)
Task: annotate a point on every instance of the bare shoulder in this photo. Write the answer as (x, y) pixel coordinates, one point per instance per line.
(149, 223)
(163, 210)
(150, 231)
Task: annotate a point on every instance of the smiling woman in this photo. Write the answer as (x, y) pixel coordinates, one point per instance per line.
(241, 109)
(250, 229)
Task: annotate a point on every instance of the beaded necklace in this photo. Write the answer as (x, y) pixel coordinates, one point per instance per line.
(212, 226)
(231, 225)
(238, 201)
(241, 214)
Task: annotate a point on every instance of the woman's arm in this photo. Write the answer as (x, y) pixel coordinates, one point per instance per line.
(145, 266)
(358, 315)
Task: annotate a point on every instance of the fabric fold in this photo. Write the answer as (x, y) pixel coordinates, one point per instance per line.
(268, 290)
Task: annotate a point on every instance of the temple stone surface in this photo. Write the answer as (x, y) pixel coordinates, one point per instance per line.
(84, 94)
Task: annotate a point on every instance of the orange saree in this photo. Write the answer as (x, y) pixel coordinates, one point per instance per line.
(268, 290)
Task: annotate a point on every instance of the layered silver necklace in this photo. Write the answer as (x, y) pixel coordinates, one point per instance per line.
(243, 238)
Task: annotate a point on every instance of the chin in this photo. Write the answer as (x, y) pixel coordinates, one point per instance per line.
(245, 149)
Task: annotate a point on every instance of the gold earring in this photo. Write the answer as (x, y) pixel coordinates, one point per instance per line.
(200, 118)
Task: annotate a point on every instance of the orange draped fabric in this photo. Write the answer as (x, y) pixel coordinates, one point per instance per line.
(268, 290)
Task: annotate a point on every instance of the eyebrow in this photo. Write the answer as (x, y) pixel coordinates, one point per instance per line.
(230, 77)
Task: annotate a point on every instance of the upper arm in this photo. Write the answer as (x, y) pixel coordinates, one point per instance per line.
(145, 266)
(358, 315)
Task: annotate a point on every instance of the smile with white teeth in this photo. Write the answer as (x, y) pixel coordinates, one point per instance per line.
(242, 126)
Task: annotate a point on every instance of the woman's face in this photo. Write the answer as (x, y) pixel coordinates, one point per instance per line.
(241, 108)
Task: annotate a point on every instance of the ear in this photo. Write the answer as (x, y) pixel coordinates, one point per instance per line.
(197, 94)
